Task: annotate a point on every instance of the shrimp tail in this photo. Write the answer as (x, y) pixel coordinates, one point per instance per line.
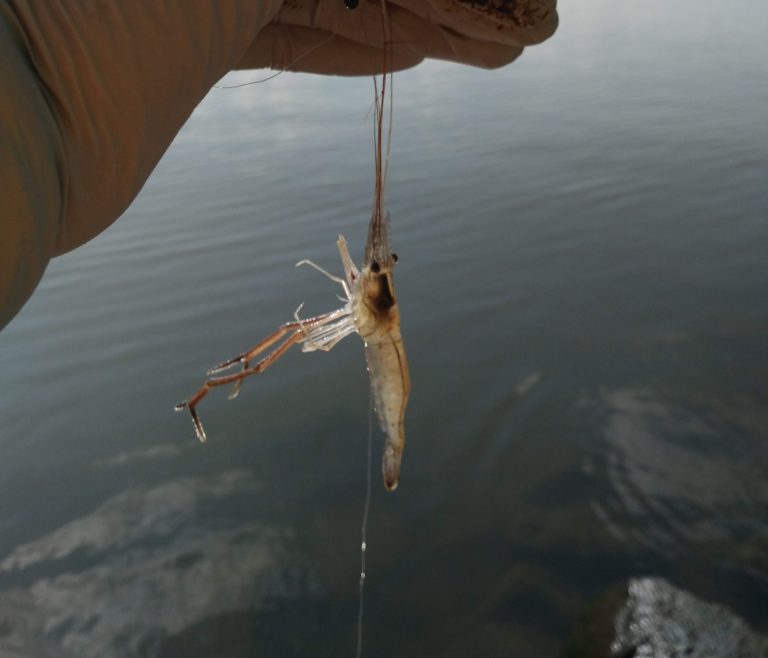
(390, 465)
(390, 385)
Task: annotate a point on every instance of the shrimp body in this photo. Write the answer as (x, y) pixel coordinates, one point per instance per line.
(370, 310)
(390, 385)
(376, 318)
(377, 321)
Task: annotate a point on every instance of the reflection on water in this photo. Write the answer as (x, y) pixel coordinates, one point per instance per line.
(675, 479)
(140, 568)
(582, 242)
(163, 451)
(129, 517)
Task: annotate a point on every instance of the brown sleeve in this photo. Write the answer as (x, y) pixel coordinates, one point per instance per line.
(30, 173)
(121, 78)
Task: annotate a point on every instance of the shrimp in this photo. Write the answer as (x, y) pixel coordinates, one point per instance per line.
(370, 310)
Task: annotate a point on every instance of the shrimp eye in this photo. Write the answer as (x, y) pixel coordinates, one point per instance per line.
(375, 267)
(350, 4)
(395, 258)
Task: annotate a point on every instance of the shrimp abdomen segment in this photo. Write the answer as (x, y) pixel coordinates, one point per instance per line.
(390, 385)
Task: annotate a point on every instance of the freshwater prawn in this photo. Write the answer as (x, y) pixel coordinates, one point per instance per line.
(370, 310)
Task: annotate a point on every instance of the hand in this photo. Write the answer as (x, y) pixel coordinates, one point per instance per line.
(322, 36)
(94, 91)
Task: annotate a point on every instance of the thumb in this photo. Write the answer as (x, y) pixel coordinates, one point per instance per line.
(310, 50)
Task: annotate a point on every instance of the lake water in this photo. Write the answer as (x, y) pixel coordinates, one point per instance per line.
(583, 242)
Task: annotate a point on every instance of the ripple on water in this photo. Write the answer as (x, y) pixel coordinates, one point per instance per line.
(681, 474)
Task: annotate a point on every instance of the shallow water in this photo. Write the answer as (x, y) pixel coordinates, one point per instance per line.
(582, 241)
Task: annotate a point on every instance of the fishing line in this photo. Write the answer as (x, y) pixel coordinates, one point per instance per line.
(381, 171)
(381, 175)
(280, 72)
(364, 531)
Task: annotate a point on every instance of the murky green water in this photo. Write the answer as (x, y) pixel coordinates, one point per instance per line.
(583, 240)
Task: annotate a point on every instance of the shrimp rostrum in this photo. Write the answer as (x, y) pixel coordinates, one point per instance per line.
(370, 310)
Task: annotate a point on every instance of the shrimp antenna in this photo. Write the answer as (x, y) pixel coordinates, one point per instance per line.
(382, 156)
(388, 70)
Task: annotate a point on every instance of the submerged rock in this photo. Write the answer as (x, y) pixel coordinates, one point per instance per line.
(650, 618)
(659, 620)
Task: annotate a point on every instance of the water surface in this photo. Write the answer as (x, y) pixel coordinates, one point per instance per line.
(582, 241)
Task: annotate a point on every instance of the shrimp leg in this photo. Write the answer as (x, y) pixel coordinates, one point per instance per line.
(298, 334)
(337, 279)
(246, 357)
(350, 271)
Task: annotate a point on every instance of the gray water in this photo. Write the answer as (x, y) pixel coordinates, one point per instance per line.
(582, 239)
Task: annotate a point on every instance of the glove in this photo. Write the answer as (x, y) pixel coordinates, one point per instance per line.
(94, 91)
